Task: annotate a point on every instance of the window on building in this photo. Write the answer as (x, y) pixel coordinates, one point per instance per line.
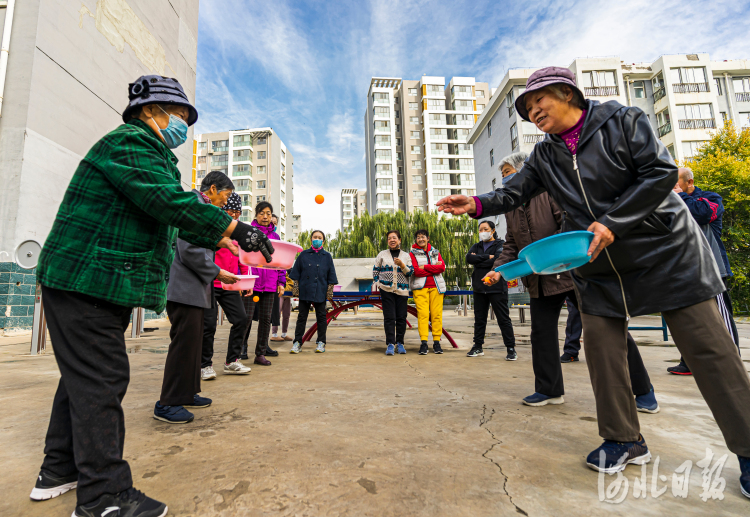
(670, 148)
(397, 114)
(400, 169)
(246, 200)
(261, 183)
(489, 129)
(695, 116)
(384, 184)
(413, 92)
(599, 83)
(688, 75)
(261, 155)
(382, 154)
(245, 155)
(241, 184)
(398, 156)
(439, 149)
(510, 102)
(416, 180)
(398, 128)
(690, 148)
(435, 104)
(384, 199)
(384, 169)
(480, 108)
(202, 146)
(382, 111)
(242, 169)
(220, 145)
(480, 93)
(723, 117)
(220, 159)
(414, 120)
(513, 137)
(383, 140)
(639, 90)
(283, 168)
(261, 169)
(463, 105)
(398, 142)
(283, 209)
(717, 82)
(415, 149)
(438, 134)
(440, 164)
(414, 135)
(418, 194)
(242, 140)
(202, 159)
(283, 155)
(744, 119)
(380, 98)
(433, 89)
(741, 84)
(492, 157)
(416, 164)
(413, 105)
(258, 199)
(261, 140)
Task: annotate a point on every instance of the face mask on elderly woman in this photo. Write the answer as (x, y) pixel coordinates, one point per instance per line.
(485, 236)
(175, 134)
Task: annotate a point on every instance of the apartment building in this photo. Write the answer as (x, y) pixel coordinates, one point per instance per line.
(296, 227)
(416, 140)
(685, 97)
(260, 165)
(353, 204)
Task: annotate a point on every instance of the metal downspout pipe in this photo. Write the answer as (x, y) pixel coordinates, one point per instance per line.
(5, 50)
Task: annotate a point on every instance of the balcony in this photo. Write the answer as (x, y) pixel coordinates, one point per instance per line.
(742, 97)
(219, 149)
(462, 95)
(664, 129)
(601, 91)
(700, 123)
(532, 139)
(382, 129)
(690, 87)
(659, 94)
(381, 101)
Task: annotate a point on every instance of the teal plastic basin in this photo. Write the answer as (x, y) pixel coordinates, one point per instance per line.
(515, 269)
(558, 253)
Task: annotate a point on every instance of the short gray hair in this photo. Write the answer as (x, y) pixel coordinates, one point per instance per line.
(685, 173)
(515, 160)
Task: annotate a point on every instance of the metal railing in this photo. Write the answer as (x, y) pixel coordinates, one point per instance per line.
(690, 87)
(664, 129)
(698, 123)
(601, 91)
(742, 97)
(659, 94)
(533, 139)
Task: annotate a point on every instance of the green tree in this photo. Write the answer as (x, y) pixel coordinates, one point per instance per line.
(366, 237)
(722, 165)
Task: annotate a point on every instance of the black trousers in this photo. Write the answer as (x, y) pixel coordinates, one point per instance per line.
(86, 431)
(231, 302)
(276, 312)
(182, 369)
(320, 315)
(573, 329)
(263, 308)
(499, 304)
(394, 317)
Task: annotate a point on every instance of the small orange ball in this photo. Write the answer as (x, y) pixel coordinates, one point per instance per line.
(256, 299)
(319, 199)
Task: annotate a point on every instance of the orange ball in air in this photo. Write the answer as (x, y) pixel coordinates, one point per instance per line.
(256, 299)
(319, 199)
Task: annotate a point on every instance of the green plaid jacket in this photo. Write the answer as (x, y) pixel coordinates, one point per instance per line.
(114, 234)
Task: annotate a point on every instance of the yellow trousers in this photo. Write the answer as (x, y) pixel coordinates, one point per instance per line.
(429, 310)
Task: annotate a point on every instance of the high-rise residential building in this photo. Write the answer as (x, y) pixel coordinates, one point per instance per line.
(685, 97)
(296, 227)
(353, 204)
(416, 133)
(260, 165)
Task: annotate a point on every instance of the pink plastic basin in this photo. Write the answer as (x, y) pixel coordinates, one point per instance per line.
(282, 258)
(246, 282)
(336, 288)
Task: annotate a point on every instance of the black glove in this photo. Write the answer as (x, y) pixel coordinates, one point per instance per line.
(252, 239)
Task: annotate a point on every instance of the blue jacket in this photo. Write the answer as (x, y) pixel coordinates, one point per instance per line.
(314, 272)
(708, 208)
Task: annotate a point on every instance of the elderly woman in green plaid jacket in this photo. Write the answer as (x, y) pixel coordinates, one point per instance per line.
(110, 249)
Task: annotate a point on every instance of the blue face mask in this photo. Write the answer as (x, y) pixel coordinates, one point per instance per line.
(175, 133)
(508, 177)
(317, 243)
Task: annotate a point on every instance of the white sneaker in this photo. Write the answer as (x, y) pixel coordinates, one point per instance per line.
(321, 348)
(208, 373)
(236, 368)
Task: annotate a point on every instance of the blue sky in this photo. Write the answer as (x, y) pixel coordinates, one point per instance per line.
(304, 68)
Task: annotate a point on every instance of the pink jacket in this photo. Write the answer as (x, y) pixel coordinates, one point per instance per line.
(228, 261)
(269, 279)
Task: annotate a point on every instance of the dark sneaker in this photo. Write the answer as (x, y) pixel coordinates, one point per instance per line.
(612, 457)
(512, 355)
(271, 353)
(200, 402)
(423, 348)
(647, 403)
(400, 348)
(390, 350)
(475, 352)
(130, 503)
(172, 414)
(259, 359)
(680, 369)
(49, 486)
(568, 358)
(436, 347)
(243, 353)
(744, 475)
(537, 399)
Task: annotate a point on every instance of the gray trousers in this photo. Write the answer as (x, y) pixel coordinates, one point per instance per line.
(708, 349)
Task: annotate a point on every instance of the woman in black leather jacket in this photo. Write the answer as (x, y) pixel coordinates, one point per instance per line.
(607, 170)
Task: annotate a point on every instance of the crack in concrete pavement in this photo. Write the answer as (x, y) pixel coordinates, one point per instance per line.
(483, 421)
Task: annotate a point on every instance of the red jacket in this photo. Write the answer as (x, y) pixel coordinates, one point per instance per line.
(429, 269)
(229, 262)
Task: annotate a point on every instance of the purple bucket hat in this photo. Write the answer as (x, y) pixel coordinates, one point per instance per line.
(545, 77)
(155, 89)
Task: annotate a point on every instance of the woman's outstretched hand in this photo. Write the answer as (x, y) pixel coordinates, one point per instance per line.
(603, 237)
(457, 205)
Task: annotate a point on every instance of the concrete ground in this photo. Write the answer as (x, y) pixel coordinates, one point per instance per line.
(355, 433)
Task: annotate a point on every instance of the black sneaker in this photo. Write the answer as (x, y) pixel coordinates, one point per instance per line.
(612, 457)
(243, 353)
(130, 503)
(423, 348)
(680, 369)
(271, 353)
(49, 486)
(745, 475)
(568, 358)
(436, 347)
(475, 352)
(512, 355)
